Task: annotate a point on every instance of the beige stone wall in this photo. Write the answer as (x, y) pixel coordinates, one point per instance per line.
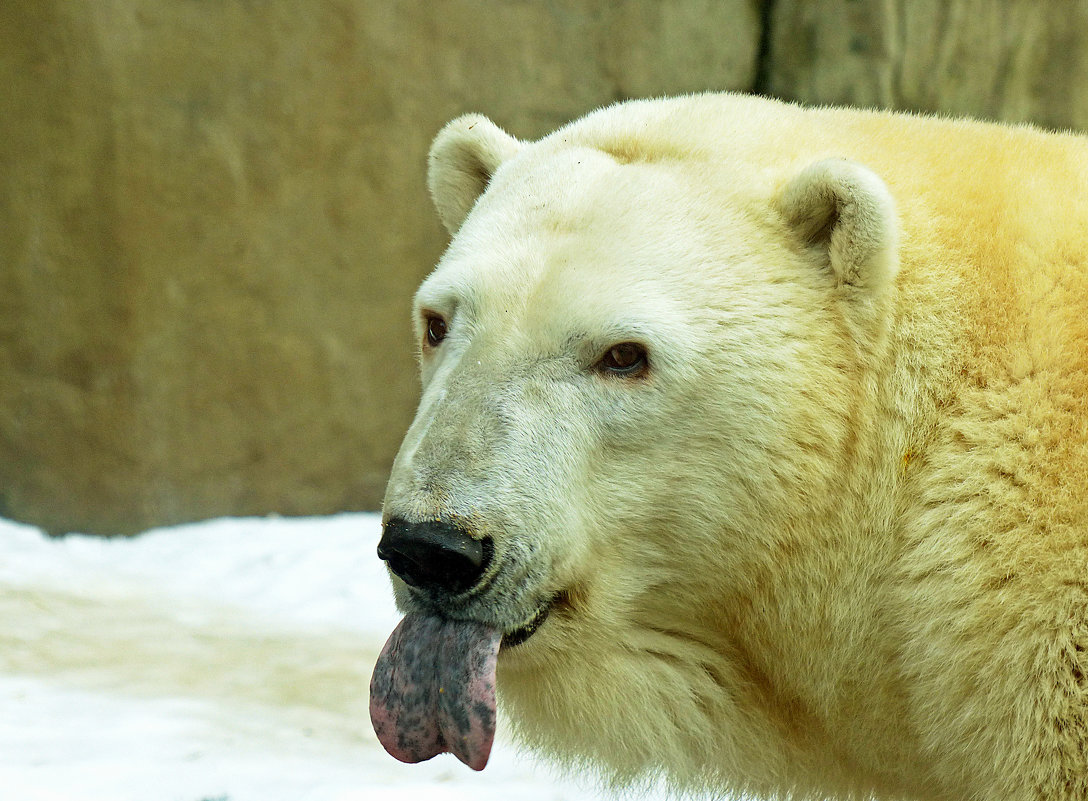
(213, 214)
(1014, 60)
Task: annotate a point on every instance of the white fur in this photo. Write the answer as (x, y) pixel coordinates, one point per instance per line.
(834, 543)
(845, 211)
(463, 157)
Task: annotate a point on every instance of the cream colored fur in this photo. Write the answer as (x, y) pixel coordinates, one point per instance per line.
(461, 163)
(845, 210)
(834, 544)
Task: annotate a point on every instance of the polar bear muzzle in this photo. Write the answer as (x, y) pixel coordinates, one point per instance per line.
(435, 555)
(433, 688)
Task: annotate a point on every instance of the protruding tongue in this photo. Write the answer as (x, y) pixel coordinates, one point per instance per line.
(433, 690)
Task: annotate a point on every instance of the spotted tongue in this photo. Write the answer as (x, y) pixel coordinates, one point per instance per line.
(433, 690)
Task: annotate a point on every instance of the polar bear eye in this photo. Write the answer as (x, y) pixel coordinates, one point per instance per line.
(436, 330)
(625, 359)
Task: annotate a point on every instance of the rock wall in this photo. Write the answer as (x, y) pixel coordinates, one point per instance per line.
(1012, 60)
(213, 215)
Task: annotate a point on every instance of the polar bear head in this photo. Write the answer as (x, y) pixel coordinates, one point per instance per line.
(638, 360)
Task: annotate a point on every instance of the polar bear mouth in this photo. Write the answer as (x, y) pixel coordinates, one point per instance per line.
(433, 687)
(520, 635)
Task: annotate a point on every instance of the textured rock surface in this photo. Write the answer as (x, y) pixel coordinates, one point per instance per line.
(213, 215)
(1015, 60)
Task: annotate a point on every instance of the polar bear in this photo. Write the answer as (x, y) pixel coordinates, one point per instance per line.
(752, 452)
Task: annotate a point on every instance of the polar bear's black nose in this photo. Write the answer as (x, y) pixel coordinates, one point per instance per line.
(434, 555)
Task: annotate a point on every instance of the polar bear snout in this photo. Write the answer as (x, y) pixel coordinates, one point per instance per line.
(434, 555)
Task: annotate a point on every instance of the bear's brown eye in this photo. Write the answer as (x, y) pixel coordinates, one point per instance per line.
(625, 359)
(436, 329)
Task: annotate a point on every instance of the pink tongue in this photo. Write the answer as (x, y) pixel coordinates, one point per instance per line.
(433, 690)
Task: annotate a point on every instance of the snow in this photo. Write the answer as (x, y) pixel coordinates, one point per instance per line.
(222, 661)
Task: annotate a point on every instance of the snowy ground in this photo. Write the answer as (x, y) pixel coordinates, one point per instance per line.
(225, 661)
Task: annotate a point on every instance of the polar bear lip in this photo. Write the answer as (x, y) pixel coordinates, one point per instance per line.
(520, 635)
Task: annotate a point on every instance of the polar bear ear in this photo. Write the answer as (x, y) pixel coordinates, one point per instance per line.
(463, 157)
(845, 213)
